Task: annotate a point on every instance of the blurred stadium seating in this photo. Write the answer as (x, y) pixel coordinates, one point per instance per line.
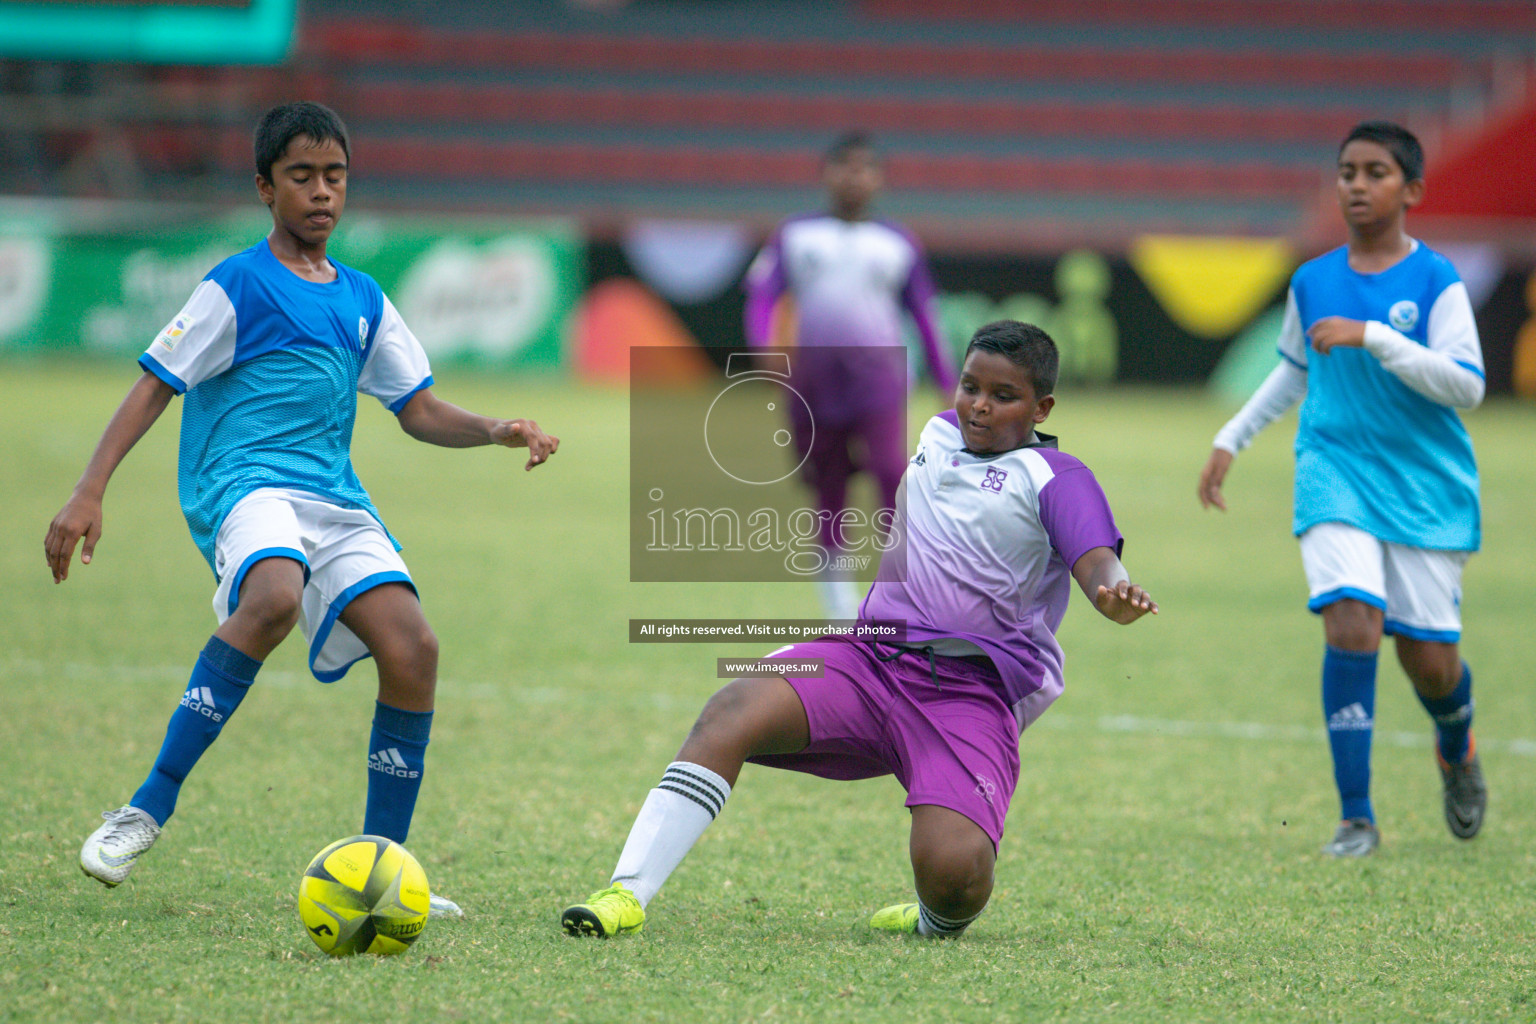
(1006, 124)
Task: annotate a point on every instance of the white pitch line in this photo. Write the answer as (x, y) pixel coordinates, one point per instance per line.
(1258, 731)
(1262, 732)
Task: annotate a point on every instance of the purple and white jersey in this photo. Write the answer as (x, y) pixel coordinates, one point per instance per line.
(990, 542)
(851, 281)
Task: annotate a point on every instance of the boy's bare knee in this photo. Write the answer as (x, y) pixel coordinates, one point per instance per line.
(1434, 668)
(955, 881)
(411, 655)
(745, 718)
(1353, 625)
(952, 862)
(425, 647)
(273, 612)
(721, 716)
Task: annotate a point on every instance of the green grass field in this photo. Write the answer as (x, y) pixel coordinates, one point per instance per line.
(1162, 857)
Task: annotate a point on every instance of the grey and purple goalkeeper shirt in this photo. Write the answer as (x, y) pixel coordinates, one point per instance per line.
(990, 542)
(850, 280)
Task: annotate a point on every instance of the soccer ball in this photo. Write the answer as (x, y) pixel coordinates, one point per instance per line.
(365, 894)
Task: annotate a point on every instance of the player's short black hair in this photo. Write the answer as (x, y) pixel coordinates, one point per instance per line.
(282, 124)
(1395, 139)
(846, 143)
(1023, 345)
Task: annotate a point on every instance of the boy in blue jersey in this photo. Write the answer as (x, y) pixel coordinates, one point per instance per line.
(1380, 345)
(271, 351)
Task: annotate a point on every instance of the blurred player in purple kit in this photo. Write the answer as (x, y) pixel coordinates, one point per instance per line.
(997, 523)
(847, 279)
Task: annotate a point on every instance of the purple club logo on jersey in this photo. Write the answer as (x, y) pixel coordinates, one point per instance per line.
(994, 480)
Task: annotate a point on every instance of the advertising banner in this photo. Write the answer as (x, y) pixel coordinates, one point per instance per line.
(495, 293)
(1170, 310)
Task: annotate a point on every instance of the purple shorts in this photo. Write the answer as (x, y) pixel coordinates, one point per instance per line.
(954, 744)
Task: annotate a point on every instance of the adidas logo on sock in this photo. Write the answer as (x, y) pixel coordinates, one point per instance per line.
(1349, 718)
(390, 762)
(199, 700)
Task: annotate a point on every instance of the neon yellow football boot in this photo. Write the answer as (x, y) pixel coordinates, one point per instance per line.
(900, 918)
(613, 911)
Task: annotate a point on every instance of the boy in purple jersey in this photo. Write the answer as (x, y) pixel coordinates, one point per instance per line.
(848, 279)
(998, 523)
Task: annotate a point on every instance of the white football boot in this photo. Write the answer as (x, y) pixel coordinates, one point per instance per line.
(113, 849)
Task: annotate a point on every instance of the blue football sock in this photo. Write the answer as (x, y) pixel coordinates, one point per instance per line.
(219, 681)
(397, 752)
(1453, 717)
(1349, 707)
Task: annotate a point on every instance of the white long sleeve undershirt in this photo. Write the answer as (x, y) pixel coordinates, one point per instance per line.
(1284, 387)
(1435, 375)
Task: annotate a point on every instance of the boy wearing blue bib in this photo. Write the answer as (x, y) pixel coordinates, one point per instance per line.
(270, 353)
(1380, 346)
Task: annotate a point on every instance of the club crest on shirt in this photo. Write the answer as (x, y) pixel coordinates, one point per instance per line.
(362, 331)
(994, 479)
(1404, 315)
(174, 330)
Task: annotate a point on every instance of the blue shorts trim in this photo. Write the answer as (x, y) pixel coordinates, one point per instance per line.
(339, 605)
(1322, 601)
(1439, 636)
(151, 365)
(257, 556)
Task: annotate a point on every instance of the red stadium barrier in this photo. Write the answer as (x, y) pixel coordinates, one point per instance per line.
(1493, 16)
(371, 43)
(757, 111)
(464, 159)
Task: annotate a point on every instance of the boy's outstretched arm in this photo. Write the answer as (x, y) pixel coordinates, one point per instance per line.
(1211, 477)
(1284, 387)
(428, 418)
(81, 514)
(1101, 576)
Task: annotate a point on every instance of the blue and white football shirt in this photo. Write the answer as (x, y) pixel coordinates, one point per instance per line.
(271, 365)
(1370, 451)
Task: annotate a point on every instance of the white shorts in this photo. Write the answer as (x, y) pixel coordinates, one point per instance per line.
(1418, 589)
(345, 552)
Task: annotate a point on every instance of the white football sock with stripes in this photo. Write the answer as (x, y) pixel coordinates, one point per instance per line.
(674, 816)
(929, 923)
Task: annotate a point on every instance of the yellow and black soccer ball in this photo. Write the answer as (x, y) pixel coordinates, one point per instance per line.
(365, 894)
